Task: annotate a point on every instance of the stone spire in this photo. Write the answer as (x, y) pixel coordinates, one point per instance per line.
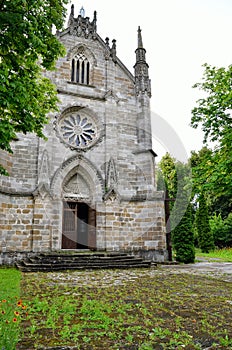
(81, 26)
(142, 81)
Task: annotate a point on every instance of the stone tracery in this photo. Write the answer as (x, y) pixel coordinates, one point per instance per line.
(77, 130)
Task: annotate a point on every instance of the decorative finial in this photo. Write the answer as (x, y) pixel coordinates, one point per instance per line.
(71, 16)
(113, 51)
(72, 10)
(140, 42)
(107, 41)
(82, 12)
(114, 44)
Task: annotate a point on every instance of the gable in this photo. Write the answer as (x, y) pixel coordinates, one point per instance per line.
(90, 61)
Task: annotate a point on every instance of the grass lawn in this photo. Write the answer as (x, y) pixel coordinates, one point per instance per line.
(11, 310)
(218, 254)
(9, 283)
(137, 309)
(144, 309)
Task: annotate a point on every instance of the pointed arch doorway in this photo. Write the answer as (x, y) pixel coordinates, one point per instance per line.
(79, 226)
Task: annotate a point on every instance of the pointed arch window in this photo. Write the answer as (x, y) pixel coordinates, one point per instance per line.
(87, 73)
(83, 72)
(77, 64)
(73, 70)
(80, 70)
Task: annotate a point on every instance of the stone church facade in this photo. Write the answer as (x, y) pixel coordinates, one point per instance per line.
(91, 184)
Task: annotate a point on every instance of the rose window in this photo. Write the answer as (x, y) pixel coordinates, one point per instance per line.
(79, 131)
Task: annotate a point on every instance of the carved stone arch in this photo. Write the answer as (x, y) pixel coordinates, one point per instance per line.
(82, 63)
(69, 106)
(83, 49)
(86, 170)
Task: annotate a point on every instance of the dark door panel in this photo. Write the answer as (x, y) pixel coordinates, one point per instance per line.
(79, 226)
(82, 226)
(69, 236)
(92, 228)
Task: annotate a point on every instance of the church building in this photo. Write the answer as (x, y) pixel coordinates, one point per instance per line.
(91, 184)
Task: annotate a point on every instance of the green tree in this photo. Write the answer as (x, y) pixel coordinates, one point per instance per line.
(228, 230)
(205, 172)
(168, 172)
(205, 236)
(183, 238)
(177, 178)
(221, 230)
(213, 114)
(182, 217)
(214, 111)
(27, 46)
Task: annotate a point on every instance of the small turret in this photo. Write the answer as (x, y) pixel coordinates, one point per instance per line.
(142, 81)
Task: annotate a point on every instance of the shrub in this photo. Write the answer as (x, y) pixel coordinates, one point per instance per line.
(205, 236)
(183, 239)
(221, 230)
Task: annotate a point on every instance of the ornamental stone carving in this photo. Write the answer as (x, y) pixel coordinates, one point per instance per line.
(76, 188)
(77, 128)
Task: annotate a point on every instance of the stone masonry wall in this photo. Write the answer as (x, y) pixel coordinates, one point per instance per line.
(16, 219)
(6, 160)
(132, 227)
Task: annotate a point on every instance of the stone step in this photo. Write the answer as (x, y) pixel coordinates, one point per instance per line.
(82, 264)
(61, 262)
(74, 257)
(68, 268)
(83, 253)
(83, 261)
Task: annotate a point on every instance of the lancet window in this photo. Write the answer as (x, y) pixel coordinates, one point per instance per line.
(80, 70)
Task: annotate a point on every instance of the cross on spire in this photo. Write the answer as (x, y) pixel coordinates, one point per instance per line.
(82, 12)
(140, 41)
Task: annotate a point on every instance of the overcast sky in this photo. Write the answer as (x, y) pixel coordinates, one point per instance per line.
(179, 37)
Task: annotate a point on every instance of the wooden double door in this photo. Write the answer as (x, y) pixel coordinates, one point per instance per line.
(79, 226)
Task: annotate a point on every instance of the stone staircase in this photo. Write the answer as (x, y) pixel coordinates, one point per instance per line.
(80, 261)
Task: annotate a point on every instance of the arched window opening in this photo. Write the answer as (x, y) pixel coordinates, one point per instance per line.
(73, 70)
(87, 73)
(83, 72)
(80, 70)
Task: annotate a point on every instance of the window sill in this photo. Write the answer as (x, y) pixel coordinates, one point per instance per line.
(79, 84)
